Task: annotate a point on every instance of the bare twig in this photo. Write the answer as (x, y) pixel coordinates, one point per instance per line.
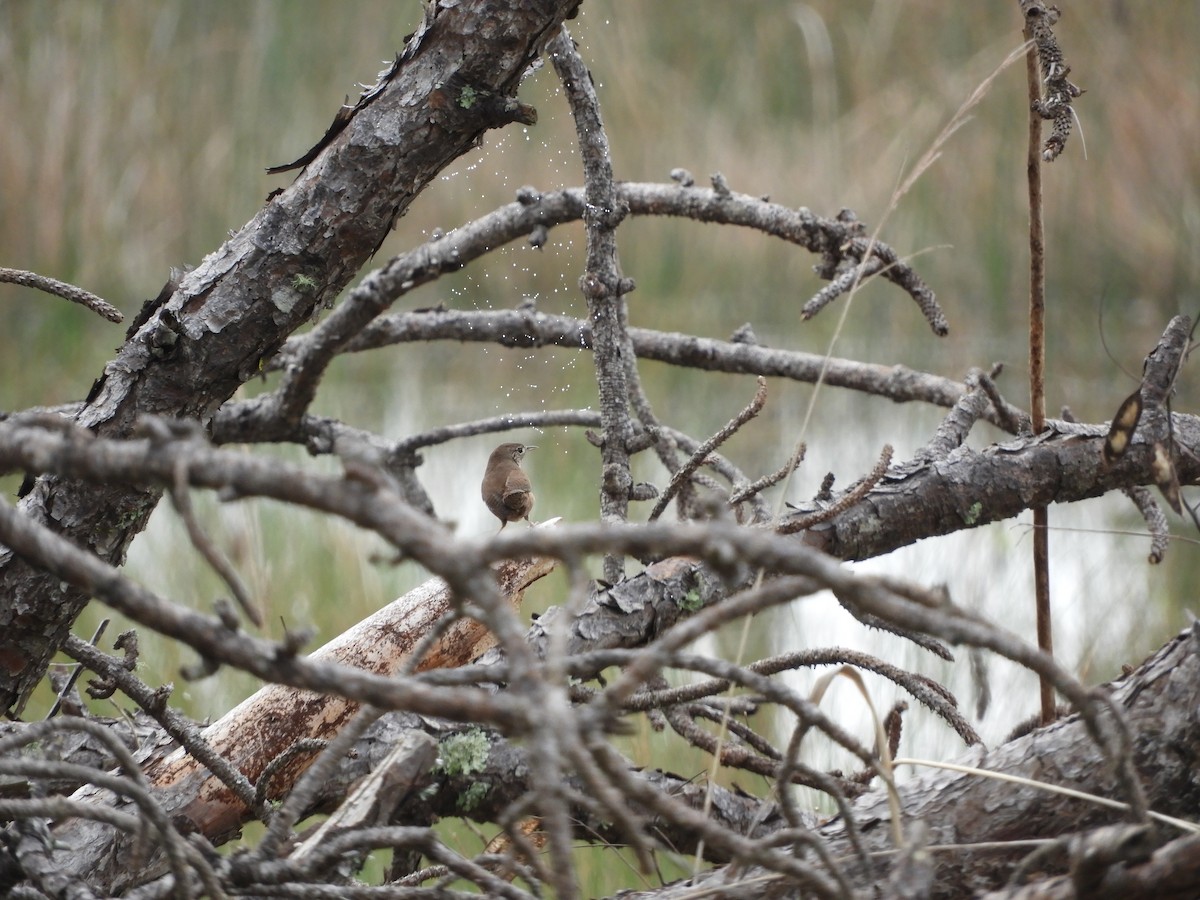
(848, 499)
(603, 285)
(306, 788)
(846, 274)
(722, 466)
(924, 690)
(698, 458)
(753, 489)
(609, 800)
(1009, 417)
(327, 856)
(132, 783)
(1156, 521)
(849, 274)
(154, 703)
(473, 240)
(61, 289)
(954, 428)
(547, 418)
(182, 500)
(743, 849)
(896, 382)
(67, 686)
(604, 288)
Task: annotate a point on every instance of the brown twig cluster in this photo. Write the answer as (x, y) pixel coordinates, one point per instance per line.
(721, 600)
(446, 703)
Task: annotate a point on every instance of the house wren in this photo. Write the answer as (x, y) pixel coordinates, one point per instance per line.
(506, 489)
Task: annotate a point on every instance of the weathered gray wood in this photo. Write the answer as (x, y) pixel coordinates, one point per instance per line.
(212, 332)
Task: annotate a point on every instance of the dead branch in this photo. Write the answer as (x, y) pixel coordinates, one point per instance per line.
(698, 458)
(102, 308)
(513, 328)
(603, 285)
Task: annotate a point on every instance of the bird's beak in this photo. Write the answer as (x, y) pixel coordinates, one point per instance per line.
(531, 446)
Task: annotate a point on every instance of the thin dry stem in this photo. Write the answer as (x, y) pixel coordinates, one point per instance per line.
(846, 501)
(1037, 349)
(58, 288)
(697, 459)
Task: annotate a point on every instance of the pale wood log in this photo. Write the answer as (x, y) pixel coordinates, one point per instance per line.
(266, 724)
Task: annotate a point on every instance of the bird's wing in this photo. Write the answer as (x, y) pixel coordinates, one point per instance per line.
(515, 486)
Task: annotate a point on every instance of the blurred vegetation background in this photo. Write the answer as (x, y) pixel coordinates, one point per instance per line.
(136, 136)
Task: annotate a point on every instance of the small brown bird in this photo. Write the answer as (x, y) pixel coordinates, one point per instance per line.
(506, 489)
